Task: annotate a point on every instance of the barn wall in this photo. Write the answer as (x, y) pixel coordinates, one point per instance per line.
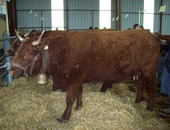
(113, 14)
(130, 13)
(166, 18)
(82, 14)
(31, 12)
(157, 16)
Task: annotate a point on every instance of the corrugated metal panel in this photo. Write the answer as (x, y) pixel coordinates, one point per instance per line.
(113, 14)
(167, 3)
(113, 2)
(132, 5)
(33, 4)
(33, 14)
(156, 25)
(165, 25)
(65, 20)
(47, 19)
(80, 19)
(83, 13)
(95, 19)
(128, 21)
(157, 6)
(166, 18)
(130, 9)
(25, 19)
(113, 21)
(83, 4)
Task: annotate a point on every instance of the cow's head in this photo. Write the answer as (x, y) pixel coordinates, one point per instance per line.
(26, 56)
(17, 42)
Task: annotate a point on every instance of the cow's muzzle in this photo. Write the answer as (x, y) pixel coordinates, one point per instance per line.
(24, 69)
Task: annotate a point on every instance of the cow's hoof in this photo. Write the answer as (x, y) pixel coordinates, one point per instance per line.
(140, 100)
(77, 108)
(102, 90)
(137, 101)
(63, 90)
(58, 90)
(149, 108)
(62, 120)
(54, 89)
(143, 99)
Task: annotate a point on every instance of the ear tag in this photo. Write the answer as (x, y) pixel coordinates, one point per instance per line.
(46, 47)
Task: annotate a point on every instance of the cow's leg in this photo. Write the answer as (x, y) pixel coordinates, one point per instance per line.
(72, 93)
(55, 84)
(54, 87)
(79, 102)
(58, 85)
(148, 84)
(62, 88)
(140, 89)
(105, 86)
(150, 89)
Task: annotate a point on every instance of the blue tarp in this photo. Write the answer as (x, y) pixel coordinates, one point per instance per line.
(165, 82)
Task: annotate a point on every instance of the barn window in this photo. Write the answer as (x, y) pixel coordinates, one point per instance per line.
(105, 14)
(148, 14)
(57, 14)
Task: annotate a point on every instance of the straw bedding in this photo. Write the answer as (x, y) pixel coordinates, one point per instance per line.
(27, 105)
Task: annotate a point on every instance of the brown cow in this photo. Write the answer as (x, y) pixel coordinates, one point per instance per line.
(81, 57)
(34, 69)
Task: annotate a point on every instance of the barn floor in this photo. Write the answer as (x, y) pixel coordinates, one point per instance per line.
(27, 105)
(161, 102)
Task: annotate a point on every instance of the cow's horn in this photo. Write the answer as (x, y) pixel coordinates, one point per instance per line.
(19, 37)
(39, 39)
(28, 33)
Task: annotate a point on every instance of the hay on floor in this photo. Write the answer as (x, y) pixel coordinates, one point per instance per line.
(27, 105)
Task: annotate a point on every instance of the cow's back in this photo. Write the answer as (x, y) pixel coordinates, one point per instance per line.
(106, 55)
(124, 53)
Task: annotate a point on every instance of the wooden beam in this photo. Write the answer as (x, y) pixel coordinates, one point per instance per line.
(12, 16)
(118, 14)
(160, 26)
(67, 14)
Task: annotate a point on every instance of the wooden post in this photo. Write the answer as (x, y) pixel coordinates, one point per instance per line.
(12, 16)
(118, 14)
(160, 26)
(7, 23)
(67, 14)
